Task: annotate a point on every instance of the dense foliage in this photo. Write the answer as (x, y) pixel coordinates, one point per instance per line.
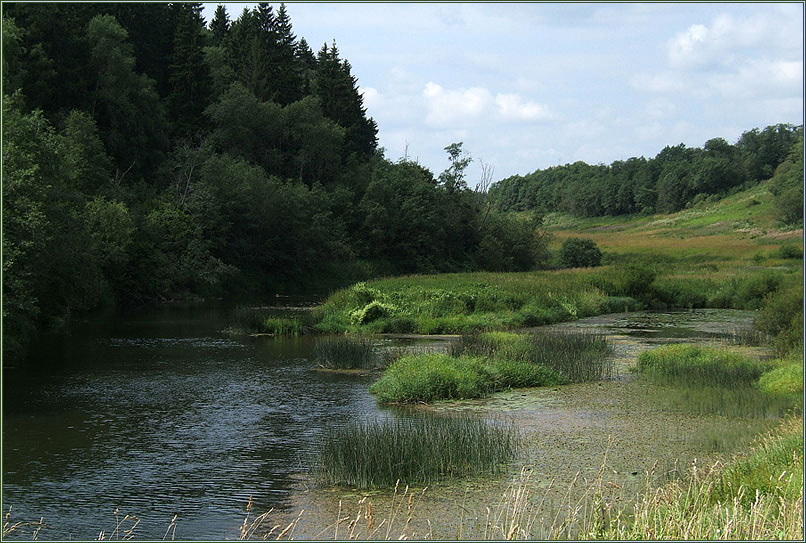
(676, 178)
(148, 156)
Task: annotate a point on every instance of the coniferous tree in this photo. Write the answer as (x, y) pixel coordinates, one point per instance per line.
(220, 25)
(287, 71)
(337, 88)
(190, 78)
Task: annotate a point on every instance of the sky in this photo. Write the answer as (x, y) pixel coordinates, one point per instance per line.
(527, 86)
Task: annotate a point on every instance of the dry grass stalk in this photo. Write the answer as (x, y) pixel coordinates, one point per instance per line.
(9, 528)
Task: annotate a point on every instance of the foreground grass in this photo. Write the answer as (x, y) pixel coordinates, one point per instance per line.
(414, 450)
(757, 496)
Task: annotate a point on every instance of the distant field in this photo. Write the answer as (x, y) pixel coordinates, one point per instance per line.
(736, 230)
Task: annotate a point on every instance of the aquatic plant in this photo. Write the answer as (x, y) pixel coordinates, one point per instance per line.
(263, 320)
(692, 364)
(432, 377)
(247, 319)
(418, 449)
(575, 356)
(282, 326)
(343, 352)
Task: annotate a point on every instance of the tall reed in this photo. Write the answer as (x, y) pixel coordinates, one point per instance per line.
(415, 450)
(576, 356)
(343, 352)
(707, 366)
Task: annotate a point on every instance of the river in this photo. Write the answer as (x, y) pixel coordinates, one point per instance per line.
(158, 413)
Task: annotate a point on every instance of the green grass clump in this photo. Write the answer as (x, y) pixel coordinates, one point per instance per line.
(248, 320)
(282, 326)
(263, 320)
(342, 352)
(694, 365)
(414, 451)
(431, 377)
(577, 357)
(786, 380)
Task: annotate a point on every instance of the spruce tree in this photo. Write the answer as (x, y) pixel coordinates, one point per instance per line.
(189, 75)
(220, 25)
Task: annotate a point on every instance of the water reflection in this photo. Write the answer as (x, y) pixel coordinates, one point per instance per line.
(159, 413)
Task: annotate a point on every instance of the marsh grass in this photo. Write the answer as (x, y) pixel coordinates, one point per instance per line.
(282, 326)
(248, 319)
(576, 356)
(695, 365)
(415, 450)
(747, 402)
(263, 320)
(343, 352)
(431, 377)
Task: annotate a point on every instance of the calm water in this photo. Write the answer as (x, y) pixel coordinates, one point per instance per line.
(159, 413)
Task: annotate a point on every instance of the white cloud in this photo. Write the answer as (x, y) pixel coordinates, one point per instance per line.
(513, 107)
(454, 106)
(687, 47)
(761, 78)
(372, 98)
(462, 106)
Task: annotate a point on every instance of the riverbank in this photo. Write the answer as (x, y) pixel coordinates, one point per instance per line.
(617, 442)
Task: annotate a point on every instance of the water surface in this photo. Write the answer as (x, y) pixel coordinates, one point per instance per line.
(159, 413)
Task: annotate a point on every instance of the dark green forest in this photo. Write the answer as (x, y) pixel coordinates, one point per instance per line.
(149, 156)
(676, 178)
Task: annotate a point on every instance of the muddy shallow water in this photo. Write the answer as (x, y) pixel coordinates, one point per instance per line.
(622, 428)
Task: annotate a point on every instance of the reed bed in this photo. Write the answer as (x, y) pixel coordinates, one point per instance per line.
(344, 352)
(576, 356)
(415, 450)
(263, 320)
(706, 366)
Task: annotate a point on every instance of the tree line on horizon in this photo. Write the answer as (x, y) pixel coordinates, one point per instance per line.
(676, 178)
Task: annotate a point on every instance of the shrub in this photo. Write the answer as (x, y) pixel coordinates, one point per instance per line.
(752, 291)
(415, 450)
(580, 253)
(790, 251)
(636, 280)
(781, 317)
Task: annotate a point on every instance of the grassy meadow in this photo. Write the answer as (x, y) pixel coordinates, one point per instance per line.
(729, 253)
